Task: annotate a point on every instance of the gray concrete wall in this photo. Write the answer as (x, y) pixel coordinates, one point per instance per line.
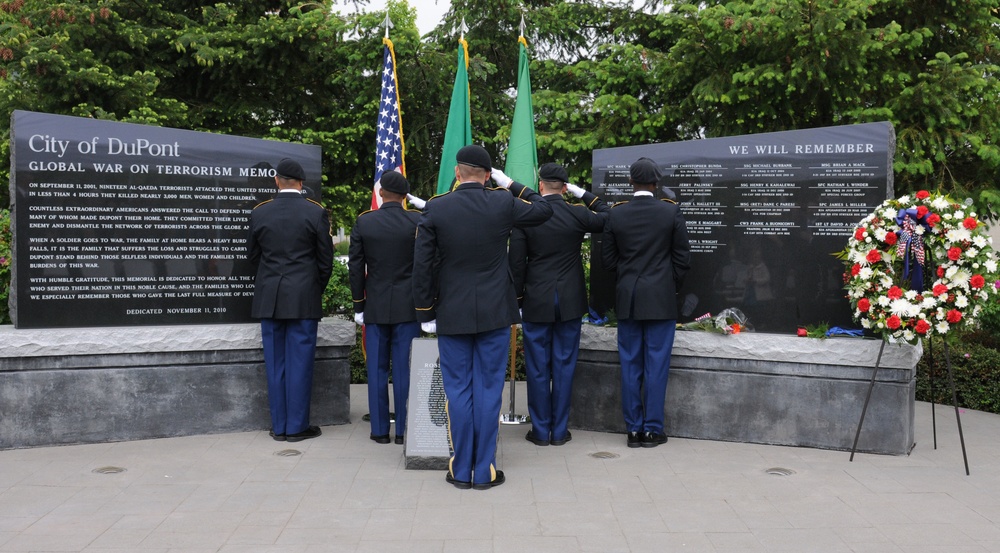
(762, 388)
(85, 385)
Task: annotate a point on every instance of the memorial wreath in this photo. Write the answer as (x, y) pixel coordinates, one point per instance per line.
(907, 243)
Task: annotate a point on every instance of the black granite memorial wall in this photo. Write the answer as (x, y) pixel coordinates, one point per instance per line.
(118, 224)
(765, 215)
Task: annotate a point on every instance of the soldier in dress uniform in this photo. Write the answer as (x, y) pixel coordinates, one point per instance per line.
(462, 289)
(548, 277)
(291, 245)
(380, 265)
(646, 244)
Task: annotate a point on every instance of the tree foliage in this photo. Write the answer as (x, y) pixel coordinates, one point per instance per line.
(604, 74)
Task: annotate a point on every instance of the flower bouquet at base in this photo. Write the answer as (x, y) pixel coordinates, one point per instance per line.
(728, 321)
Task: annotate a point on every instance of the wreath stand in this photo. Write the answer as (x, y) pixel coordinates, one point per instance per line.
(954, 398)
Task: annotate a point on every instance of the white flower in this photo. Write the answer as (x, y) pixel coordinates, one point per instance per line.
(979, 240)
(920, 230)
(946, 216)
(886, 281)
(960, 214)
(900, 307)
(908, 335)
(889, 214)
(865, 273)
(929, 302)
(866, 322)
(942, 327)
(958, 235)
(939, 314)
(950, 272)
(883, 301)
(961, 301)
(880, 234)
(904, 200)
(961, 278)
(991, 265)
(971, 252)
(910, 294)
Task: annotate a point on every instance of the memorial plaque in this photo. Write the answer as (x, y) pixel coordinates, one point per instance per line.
(765, 215)
(427, 443)
(117, 224)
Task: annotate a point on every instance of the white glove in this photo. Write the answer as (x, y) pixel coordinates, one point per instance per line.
(575, 190)
(359, 318)
(429, 328)
(415, 201)
(501, 179)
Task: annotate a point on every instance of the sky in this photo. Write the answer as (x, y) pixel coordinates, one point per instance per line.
(429, 12)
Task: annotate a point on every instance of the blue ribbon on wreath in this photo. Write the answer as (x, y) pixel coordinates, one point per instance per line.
(911, 243)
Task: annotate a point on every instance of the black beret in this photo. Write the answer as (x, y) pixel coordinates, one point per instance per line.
(644, 171)
(394, 182)
(553, 172)
(476, 156)
(290, 169)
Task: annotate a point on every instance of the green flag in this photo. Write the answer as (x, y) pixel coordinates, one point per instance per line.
(458, 132)
(522, 152)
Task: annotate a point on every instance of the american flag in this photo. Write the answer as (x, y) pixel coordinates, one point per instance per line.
(389, 135)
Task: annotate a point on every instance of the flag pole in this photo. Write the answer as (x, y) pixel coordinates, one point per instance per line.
(524, 174)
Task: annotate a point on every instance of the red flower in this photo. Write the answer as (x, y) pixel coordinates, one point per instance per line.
(893, 322)
(954, 316)
(923, 194)
(940, 290)
(940, 273)
(922, 326)
(874, 256)
(859, 234)
(855, 269)
(864, 305)
(921, 211)
(895, 293)
(890, 238)
(933, 219)
(977, 281)
(955, 253)
(970, 223)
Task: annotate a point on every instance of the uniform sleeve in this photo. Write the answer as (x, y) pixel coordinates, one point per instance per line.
(530, 208)
(518, 256)
(356, 267)
(425, 269)
(680, 250)
(324, 247)
(609, 247)
(598, 214)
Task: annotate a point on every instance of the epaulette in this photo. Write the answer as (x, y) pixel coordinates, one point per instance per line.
(668, 200)
(437, 196)
(365, 211)
(262, 203)
(616, 204)
(413, 210)
(315, 202)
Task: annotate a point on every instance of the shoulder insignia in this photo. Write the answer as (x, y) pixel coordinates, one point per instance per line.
(437, 196)
(365, 211)
(616, 204)
(315, 202)
(262, 203)
(668, 200)
(411, 210)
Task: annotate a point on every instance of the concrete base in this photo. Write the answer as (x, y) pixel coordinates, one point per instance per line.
(87, 385)
(762, 388)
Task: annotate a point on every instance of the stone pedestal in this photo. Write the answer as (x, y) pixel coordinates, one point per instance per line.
(762, 388)
(86, 385)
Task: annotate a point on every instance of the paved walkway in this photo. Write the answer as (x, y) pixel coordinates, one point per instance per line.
(236, 493)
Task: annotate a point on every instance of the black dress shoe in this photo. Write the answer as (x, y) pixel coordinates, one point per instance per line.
(653, 439)
(311, 432)
(277, 437)
(569, 436)
(399, 440)
(530, 436)
(383, 439)
(457, 483)
(634, 439)
(500, 479)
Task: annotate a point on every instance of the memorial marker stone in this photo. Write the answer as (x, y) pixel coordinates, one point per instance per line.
(765, 215)
(118, 224)
(427, 442)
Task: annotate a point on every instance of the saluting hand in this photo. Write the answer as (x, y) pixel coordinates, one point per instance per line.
(501, 179)
(575, 190)
(415, 201)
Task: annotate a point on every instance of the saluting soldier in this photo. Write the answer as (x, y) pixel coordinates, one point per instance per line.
(380, 266)
(548, 277)
(462, 289)
(646, 244)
